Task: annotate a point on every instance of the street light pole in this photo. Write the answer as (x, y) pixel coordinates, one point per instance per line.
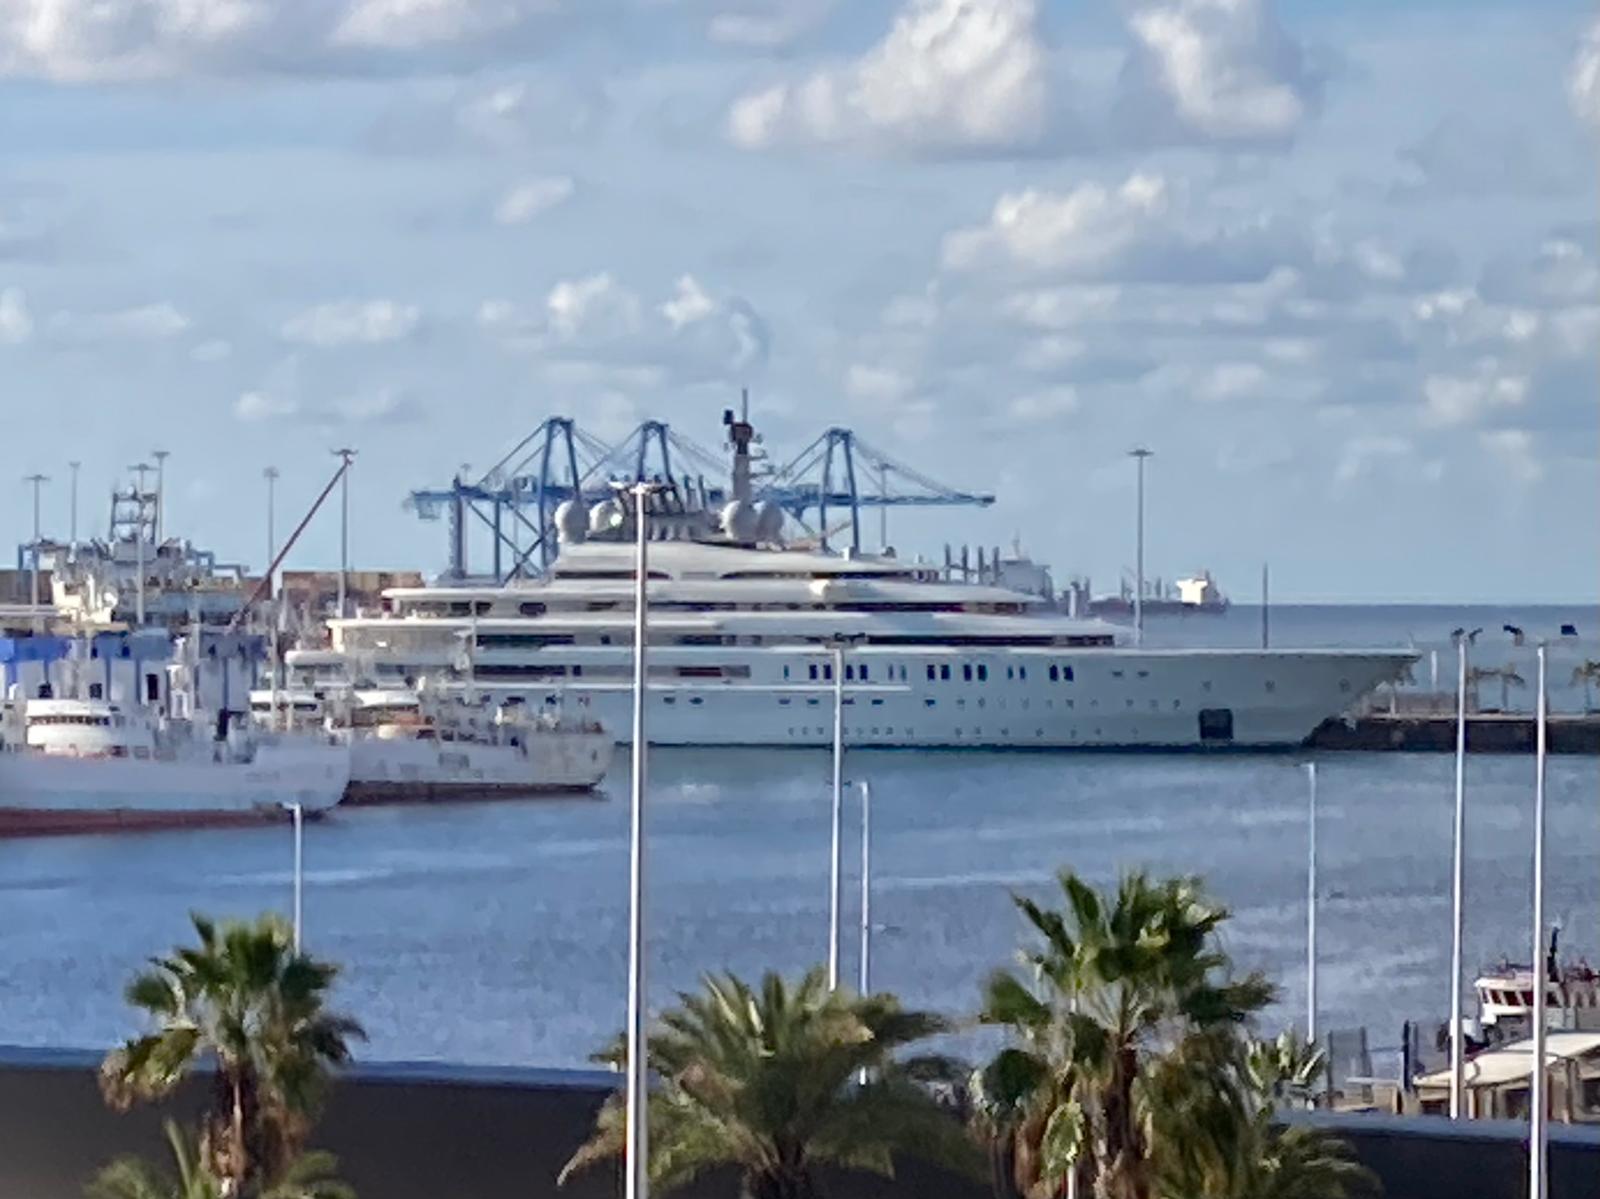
(298, 813)
(1458, 1052)
(1311, 904)
(1538, 1096)
(348, 456)
(72, 537)
(636, 1134)
(864, 980)
(1139, 454)
(837, 650)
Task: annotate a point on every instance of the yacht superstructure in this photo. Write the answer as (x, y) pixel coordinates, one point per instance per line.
(746, 633)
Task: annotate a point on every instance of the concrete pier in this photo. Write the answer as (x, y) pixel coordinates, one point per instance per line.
(1435, 732)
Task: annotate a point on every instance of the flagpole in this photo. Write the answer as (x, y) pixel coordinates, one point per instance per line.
(1538, 1098)
(1457, 893)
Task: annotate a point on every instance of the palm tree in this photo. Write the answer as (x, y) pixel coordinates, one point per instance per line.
(1588, 674)
(777, 1081)
(246, 1001)
(308, 1177)
(1130, 1007)
(1271, 1161)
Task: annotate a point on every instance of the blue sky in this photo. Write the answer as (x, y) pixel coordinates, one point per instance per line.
(1335, 263)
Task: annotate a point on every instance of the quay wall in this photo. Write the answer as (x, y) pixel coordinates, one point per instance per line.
(426, 1131)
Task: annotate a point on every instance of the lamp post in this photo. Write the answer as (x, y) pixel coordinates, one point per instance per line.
(72, 535)
(347, 456)
(836, 649)
(37, 481)
(1311, 904)
(1538, 1095)
(1458, 1058)
(1139, 454)
(864, 978)
(298, 815)
(636, 1134)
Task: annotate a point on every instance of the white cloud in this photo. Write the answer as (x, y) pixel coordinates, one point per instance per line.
(109, 40)
(593, 306)
(765, 24)
(353, 322)
(594, 330)
(1362, 454)
(16, 322)
(212, 350)
(690, 303)
(883, 384)
(145, 322)
(1232, 381)
(1467, 399)
(1221, 70)
(504, 117)
(1048, 404)
(949, 75)
(1514, 450)
(532, 197)
(1583, 84)
(1082, 231)
(256, 406)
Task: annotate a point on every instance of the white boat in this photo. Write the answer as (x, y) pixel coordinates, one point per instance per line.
(407, 746)
(77, 765)
(743, 630)
(1505, 996)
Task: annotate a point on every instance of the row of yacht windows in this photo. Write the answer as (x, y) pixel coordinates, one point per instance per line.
(467, 608)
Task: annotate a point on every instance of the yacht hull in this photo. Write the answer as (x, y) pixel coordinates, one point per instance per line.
(1098, 700)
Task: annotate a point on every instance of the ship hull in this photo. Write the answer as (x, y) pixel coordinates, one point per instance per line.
(1099, 700)
(46, 794)
(421, 770)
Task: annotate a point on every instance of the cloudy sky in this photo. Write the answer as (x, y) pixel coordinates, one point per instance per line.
(1335, 263)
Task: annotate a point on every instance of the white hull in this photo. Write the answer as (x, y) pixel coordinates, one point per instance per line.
(408, 768)
(51, 793)
(1116, 699)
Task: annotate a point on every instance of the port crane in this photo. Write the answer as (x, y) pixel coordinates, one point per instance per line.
(515, 499)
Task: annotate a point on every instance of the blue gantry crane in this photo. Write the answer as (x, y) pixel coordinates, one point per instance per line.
(515, 499)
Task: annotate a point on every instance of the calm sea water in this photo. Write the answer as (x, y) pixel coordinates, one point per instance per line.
(497, 932)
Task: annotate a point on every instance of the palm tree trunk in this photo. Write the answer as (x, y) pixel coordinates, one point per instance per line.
(784, 1182)
(1122, 1172)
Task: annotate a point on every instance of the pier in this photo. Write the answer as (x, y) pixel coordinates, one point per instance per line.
(1430, 732)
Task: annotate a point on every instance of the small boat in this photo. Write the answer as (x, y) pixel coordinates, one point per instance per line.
(412, 746)
(1505, 997)
(87, 765)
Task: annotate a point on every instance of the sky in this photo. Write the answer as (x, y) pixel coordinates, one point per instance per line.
(1334, 263)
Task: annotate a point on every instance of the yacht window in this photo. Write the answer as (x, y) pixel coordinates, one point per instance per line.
(785, 672)
(966, 671)
(849, 672)
(932, 673)
(863, 672)
(1054, 674)
(531, 609)
(944, 672)
(483, 607)
(152, 688)
(96, 691)
(813, 669)
(1010, 673)
(460, 608)
(1022, 672)
(827, 671)
(983, 673)
(576, 670)
(1066, 673)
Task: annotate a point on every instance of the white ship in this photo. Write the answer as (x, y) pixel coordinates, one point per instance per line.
(408, 747)
(744, 630)
(77, 765)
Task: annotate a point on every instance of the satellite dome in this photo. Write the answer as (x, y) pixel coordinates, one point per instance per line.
(605, 516)
(740, 520)
(572, 522)
(769, 521)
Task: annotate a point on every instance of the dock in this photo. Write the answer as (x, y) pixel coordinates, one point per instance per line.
(1431, 732)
